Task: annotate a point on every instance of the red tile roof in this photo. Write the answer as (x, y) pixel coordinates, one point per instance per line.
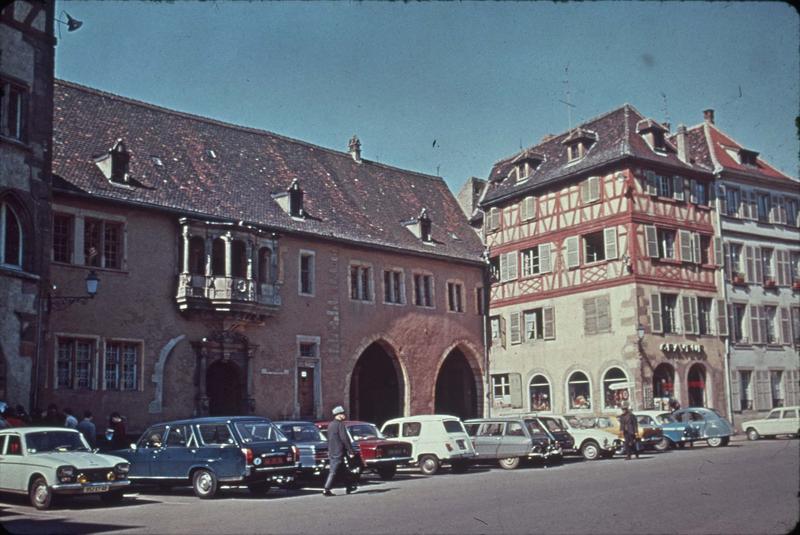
(364, 203)
(710, 145)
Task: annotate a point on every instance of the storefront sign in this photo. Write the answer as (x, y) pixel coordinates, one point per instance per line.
(686, 351)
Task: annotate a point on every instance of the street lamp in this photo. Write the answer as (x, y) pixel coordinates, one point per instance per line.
(62, 302)
(640, 332)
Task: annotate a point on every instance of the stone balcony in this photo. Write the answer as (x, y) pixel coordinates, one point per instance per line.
(235, 298)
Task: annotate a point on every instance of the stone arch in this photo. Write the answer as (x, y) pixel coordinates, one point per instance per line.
(551, 401)
(572, 395)
(386, 395)
(458, 360)
(697, 395)
(23, 215)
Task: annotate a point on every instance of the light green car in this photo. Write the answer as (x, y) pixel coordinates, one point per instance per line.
(780, 421)
(46, 461)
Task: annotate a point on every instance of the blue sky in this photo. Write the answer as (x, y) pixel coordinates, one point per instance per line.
(481, 79)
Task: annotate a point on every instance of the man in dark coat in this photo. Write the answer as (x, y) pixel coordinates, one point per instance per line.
(629, 427)
(338, 444)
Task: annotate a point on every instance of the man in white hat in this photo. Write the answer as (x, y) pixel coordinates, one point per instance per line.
(338, 443)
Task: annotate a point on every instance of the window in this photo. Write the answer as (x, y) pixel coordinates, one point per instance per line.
(197, 256)
(360, 283)
(590, 190)
(666, 240)
(734, 201)
(758, 332)
(579, 392)
(393, 288)
(501, 388)
(454, 297)
(13, 110)
(701, 193)
(737, 322)
(308, 349)
(265, 268)
(665, 186)
(14, 446)
(540, 393)
(411, 429)
(735, 255)
(776, 387)
(528, 208)
(11, 239)
(508, 266)
(766, 263)
(596, 315)
(764, 207)
(218, 257)
(792, 213)
(479, 297)
(746, 390)
(102, 243)
(494, 326)
(704, 318)
(669, 313)
(74, 364)
(536, 260)
(794, 266)
(615, 388)
(704, 249)
(593, 247)
(533, 324)
(493, 219)
(63, 225)
(238, 259)
(771, 325)
(423, 290)
(121, 366)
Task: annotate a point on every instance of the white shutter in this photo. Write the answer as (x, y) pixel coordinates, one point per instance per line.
(594, 188)
(758, 262)
(650, 183)
(686, 307)
(685, 238)
(755, 324)
(545, 261)
(678, 188)
(763, 394)
(512, 265)
(528, 208)
(514, 328)
(722, 318)
(610, 239)
(749, 263)
(651, 237)
(656, 325)
(549, 323)
(573, 258)
(697, 248)
(590, 316)
(783, 271)
(719, 260)
(786, 326)
(735, 380)
(515, 389)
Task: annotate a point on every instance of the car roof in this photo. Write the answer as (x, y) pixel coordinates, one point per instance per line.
(292, 422)
(214, 420)
(37, 429)
(498, 419)
(421, 418)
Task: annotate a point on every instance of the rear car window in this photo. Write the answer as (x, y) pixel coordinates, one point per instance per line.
(302, 432)
(515, 429)
(215, 434)
(259, 432)
(534, 427)
(790, 414)
(453, 426)
(179, 436)
(472, 429)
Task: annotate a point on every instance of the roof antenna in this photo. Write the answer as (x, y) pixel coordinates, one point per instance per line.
(665, 109)
(567, 102)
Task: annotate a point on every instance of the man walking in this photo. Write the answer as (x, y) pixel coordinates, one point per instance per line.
(629, 426)
(338, 443)
(88, 429)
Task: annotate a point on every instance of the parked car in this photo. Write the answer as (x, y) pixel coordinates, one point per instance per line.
(312, 445)
(591, 443)
(46, 461)
(779, 421)
(213, 451)
(704, 424)
(376, 452)
(648, 435)
(509, 440)
(434, 439)
(556, 428)
(674, 433)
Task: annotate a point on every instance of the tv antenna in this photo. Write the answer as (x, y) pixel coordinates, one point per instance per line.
(567, 102)
(665, 108)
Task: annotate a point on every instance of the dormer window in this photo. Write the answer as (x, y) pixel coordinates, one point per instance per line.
(654, 134)
(115, 164)
(748, 157)
(578, 143)
(296, 199)
(525, 164)
(420, 226)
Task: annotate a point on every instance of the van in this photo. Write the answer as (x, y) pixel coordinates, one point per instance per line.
(435, 439)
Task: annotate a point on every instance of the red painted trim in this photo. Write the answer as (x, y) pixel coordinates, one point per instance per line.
(672, 223)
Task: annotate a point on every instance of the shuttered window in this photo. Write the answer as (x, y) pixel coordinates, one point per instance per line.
(549, 315)
(651, 237)
(650, 186)
(573, 257)
(514, 327)
(494, 219)
(786, 326)
(756, 325)
(783, 269)
(719, 260)
(722, 318)
(545, 261)
(689, 308)
(678, 188)
(508, 266)
(749, 264)
(685, 238)
(528, 208)
(763, 392)
(656, 324)
(590, 190)
(610, 239)
(596, 315)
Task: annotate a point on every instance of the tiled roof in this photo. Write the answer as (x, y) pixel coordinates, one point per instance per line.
(616, 137)
(363, 203)
(706, 137)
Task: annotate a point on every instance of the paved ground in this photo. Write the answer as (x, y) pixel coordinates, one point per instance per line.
(747, 487)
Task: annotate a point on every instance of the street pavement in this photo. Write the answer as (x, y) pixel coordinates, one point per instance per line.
(746, 487)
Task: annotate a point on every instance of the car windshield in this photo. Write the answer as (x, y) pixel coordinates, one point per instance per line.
(453, 426)
(49, 441)
(364, 431)
(302, 432)
(535, 427)
(665, 419)
(553, 424)
(259, 432)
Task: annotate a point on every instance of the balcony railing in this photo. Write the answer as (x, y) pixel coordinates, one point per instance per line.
(241, 297)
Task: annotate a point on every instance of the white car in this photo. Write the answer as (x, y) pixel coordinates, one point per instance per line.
(44, 461)
(780, 421)
(591, 442)
(434, 439)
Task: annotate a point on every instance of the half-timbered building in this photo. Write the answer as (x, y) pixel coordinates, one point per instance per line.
(245, 272)
(606, 272)
(758, 208)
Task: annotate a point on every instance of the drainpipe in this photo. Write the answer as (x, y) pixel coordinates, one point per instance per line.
(34, 394)
(726, 358)
(487, 288)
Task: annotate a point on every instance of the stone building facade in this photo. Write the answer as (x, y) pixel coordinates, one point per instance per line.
(26, 112)
(607, 269)
(244, 272)
(758, 209)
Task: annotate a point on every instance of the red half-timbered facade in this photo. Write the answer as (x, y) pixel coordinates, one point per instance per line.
(596, 237)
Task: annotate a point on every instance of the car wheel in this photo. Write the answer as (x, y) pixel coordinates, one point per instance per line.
(752, 434)
(459, 467)
(204, 484)
(662, 445)
(387, 472)
(258, 488)
(714, 442)
(428, 464)
(590, 451)
(509, 463)
(40, 494)
(112, 497)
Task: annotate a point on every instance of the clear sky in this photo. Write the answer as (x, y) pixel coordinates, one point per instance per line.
(479, 79)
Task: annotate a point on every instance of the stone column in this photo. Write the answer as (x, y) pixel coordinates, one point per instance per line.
(249, 248)
(186, 237)
(227, 238)
(202, 366)
(250, 401)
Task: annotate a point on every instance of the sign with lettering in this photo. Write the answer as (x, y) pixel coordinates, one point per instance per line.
(687, 351)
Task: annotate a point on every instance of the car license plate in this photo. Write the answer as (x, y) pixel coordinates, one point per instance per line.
(99, 488)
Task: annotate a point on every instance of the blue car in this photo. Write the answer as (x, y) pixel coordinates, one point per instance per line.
(312, 445)
(686, 426)
(209, 452)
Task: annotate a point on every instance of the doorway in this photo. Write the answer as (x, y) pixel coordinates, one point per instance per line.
(224, 389)
(697, 386)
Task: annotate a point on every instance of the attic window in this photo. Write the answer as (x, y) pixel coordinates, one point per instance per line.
(578, 143)
(420, 226)
(653, 133)
(748, 157)
(296, 199)
(525, 164)
(157, 161)
(211, 154)
(114, 164)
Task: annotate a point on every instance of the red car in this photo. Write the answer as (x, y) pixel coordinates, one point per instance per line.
(377, 453)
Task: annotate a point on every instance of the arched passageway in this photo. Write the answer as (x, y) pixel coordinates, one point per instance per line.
(455, 387)
(697, 385)
(376, 386)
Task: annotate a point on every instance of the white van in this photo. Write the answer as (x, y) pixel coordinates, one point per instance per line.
(435, 439)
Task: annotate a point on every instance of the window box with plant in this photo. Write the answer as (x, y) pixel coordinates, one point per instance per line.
(738, 279)
(796, 285)
(770, 283)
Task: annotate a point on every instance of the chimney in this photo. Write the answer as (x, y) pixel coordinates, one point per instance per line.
(355, 148)
(667, 126)
(708, 115)
(547, 137)
(680, 138)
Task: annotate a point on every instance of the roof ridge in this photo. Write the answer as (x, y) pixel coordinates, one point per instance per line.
(233, 126)
(740, 146)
